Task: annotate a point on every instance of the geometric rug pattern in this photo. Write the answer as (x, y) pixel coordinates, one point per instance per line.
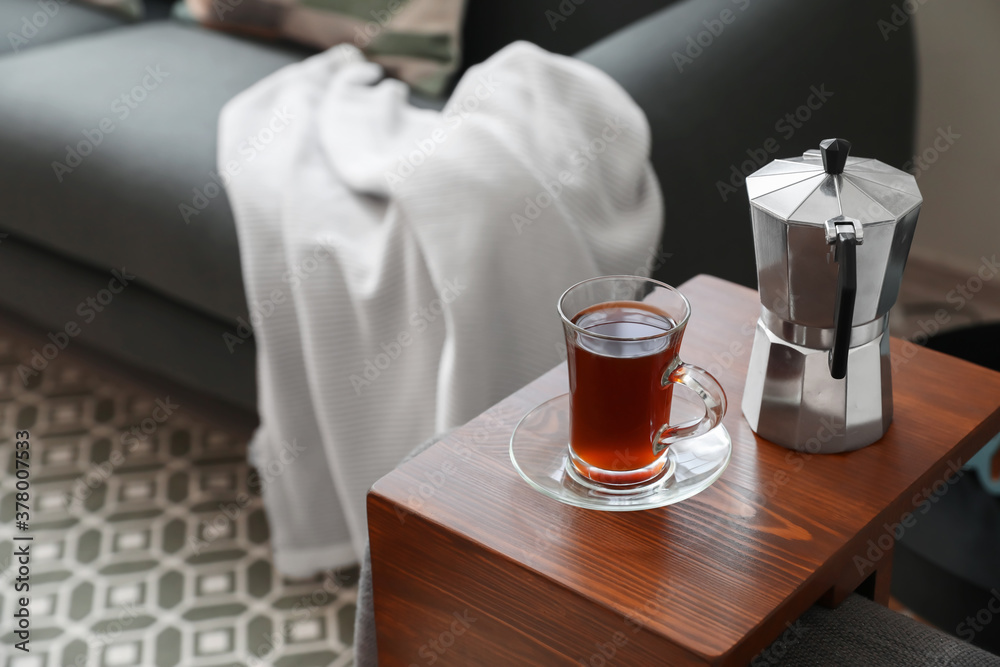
(150, 540)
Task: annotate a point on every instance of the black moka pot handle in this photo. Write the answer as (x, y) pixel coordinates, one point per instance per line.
(847, 291)
(846, 234)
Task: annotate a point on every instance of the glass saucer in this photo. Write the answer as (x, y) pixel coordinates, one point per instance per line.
(539, 451)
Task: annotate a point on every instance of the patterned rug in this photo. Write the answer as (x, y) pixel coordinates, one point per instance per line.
(150, 545)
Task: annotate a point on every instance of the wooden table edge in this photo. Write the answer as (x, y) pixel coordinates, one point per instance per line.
(819, 584)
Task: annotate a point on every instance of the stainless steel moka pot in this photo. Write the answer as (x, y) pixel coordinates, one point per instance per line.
(831, 233)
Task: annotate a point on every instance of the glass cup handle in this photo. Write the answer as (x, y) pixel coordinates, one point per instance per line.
(708, 388)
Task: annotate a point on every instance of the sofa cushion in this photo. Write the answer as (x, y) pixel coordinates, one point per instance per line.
(102, 138)
(27, 24)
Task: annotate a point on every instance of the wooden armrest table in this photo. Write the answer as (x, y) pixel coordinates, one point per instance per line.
(471, 566)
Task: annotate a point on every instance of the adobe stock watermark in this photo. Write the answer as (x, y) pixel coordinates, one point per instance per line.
(221, 524)
(607, 651)
(774, 653)
(495, 421)
(725, 358)
(455, 114)
(102, 642)
(223, 7)
(32, 25)
(657, 259)
(795, 459)
(420, 320)
(923, 500)
(561, 13)
(433, 482)
(899, 16)
(944, 140)
(88, 310)
(262, 309)
(704, 39)
(265, 653)
(492, 422)
(85, 485)
(162, 410)
(959, 298)
(435, 647)
(580, 159)
(276, 465)
(542, 539)
(249, 149)
(785, 127)
(973, 625)
(364, 34)
(829, 428)
(121, 107)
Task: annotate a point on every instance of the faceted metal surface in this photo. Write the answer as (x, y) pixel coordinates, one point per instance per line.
(791, 399)
(791, 200)
(798, 189)
(790, 396)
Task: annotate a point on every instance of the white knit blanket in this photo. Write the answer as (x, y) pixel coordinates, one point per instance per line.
(402, 265)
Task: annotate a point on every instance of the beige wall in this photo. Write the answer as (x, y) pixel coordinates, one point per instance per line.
(958, 44)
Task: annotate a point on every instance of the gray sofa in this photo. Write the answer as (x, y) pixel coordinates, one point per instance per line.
(716, 103)
(720, 80)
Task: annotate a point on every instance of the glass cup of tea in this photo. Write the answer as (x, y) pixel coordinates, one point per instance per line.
(623, 334)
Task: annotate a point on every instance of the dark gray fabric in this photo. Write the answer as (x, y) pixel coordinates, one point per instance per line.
(559, 27)
(365, 646)
(960, 532)
(365, 643)
(28, 24)
(946, 565)
(158, 9)
(120, 205)
(861, 633)
(138, 327)
(718, 109)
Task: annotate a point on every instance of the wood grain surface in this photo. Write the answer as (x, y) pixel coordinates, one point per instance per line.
(471, 566)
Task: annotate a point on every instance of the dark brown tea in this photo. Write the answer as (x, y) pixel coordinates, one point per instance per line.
(618, 401)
